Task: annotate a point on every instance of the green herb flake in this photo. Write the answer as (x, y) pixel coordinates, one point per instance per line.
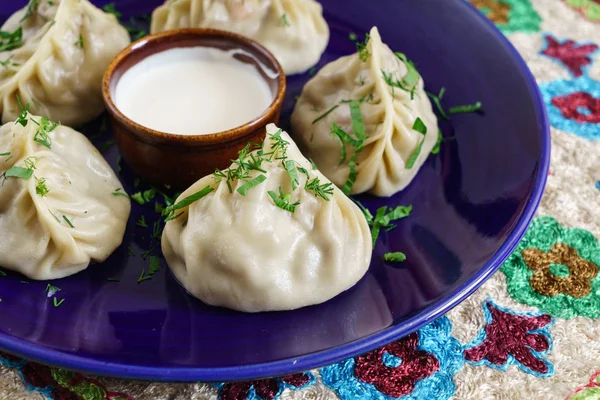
(18, 172)
(396, 257)
(158, 208)
(437, 101)
(169, 211)
(24, 111)
(358, 124)
(245, 188)
(420, 127)
(156, 230)
(362, 48)
(5, 154)
(68, 221)
(110, 8)
(319, 190)
(138, 198)
(51, 289)
(143, 277)
(2, 273)
(146, 253)
(154, 265)
(149, 195)
(11, 40)
(142, 222)
(438, 144)
(106, 145)
(56, 302)
(120, 192)
(352, 37)
(313, 165)
(131, 252)
(469, 108)
(41, 188)
(325, 114)
(31, 9)
(412, 76)
(284, 20)
(79, 42)
(42, 133)
(290, 167)
(283, 201)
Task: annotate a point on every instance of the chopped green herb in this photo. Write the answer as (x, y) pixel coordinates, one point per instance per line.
(362, 50)
(312, 71)
(22, 119)
(420, 127)
(322, 191)
(30, 162)
(150, 194)
(68, 221)
(2, 273)
(146, 253)
(284, 20)
(170, 210)
(79, 43)
(394, 215)
(6, 62)
(358, 124)
(243, 190)
(143, 277)
(31, 8)
(313, 165)
(57, 303)
(396, 257)
(119, 169)
(412, 76)
(11, 40)
(352, 37)
(156, 231)
(120, 192)
(142, 222)
(138, 198)
(290, 167)
(135, 31)
(45, 126)
(5, 154)
(283, 201)
(51, 289)
(366, 212)
(41, 188)
(469, 108)
(332, 109)
(110, 8)
(154, 266)
(18, 172)
(131, 252)
(437, 100)
(158, 208)
(438, 144)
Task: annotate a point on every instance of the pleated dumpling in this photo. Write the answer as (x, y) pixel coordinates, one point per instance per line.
(56, 59)
(293, 30)
(269, 233)
(382, 153)
(61, 205)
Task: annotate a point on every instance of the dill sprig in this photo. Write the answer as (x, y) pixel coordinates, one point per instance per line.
(45, 126)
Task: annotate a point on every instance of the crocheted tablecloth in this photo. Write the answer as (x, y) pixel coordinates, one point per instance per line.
(547, 294)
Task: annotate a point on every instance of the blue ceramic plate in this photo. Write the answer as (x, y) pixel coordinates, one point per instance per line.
(472, 203)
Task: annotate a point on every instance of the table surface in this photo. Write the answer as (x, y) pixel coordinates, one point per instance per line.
(547, 294)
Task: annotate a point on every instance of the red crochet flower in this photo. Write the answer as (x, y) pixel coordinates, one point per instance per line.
(572, 105)
(265, 389)
(572, 55)
(396, 381)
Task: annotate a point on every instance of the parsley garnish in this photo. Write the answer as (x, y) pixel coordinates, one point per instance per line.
(68, 221)
(119, 192)
(45, 126)
(22, 119)
(284, 20)
(11, 40)
(18, 172)
(138, 198)
(169, 212)
(110, 8)
(469, 108)
(243, 190)
(154, 266)
(396, 257)
(361, 47)
(142, 222)
(384, 218)
(40, 188)
(420, 127)
(31, 8)
(283, 200)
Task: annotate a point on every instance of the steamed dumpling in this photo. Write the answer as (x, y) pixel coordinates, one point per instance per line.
(59, 212)
(58, 66)
(400, 126)
(293, 30)
(246, 253)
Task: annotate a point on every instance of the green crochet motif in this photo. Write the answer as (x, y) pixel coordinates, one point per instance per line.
(556, 270)
(84, 389)
(589, 8)
(510, 16)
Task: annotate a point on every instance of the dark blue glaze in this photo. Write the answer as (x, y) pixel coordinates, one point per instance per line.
(472, 203)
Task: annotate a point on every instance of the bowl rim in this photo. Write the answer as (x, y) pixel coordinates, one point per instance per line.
(152, 135)
(326, 357)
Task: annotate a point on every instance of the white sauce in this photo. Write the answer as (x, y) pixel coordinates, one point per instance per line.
(192, 91)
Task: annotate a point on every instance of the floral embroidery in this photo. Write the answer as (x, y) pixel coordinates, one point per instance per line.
(591, 391)
(510, 15)
(577, 279)
(58, 384)
(588, 8)
(267, 389)
(574, 106)
(556, 270)
(419, 366)
(572, 55)
(528, 342)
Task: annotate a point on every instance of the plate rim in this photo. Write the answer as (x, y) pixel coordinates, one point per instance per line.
(24, 349)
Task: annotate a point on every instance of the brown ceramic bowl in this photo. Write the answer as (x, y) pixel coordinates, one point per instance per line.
(180, 160)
